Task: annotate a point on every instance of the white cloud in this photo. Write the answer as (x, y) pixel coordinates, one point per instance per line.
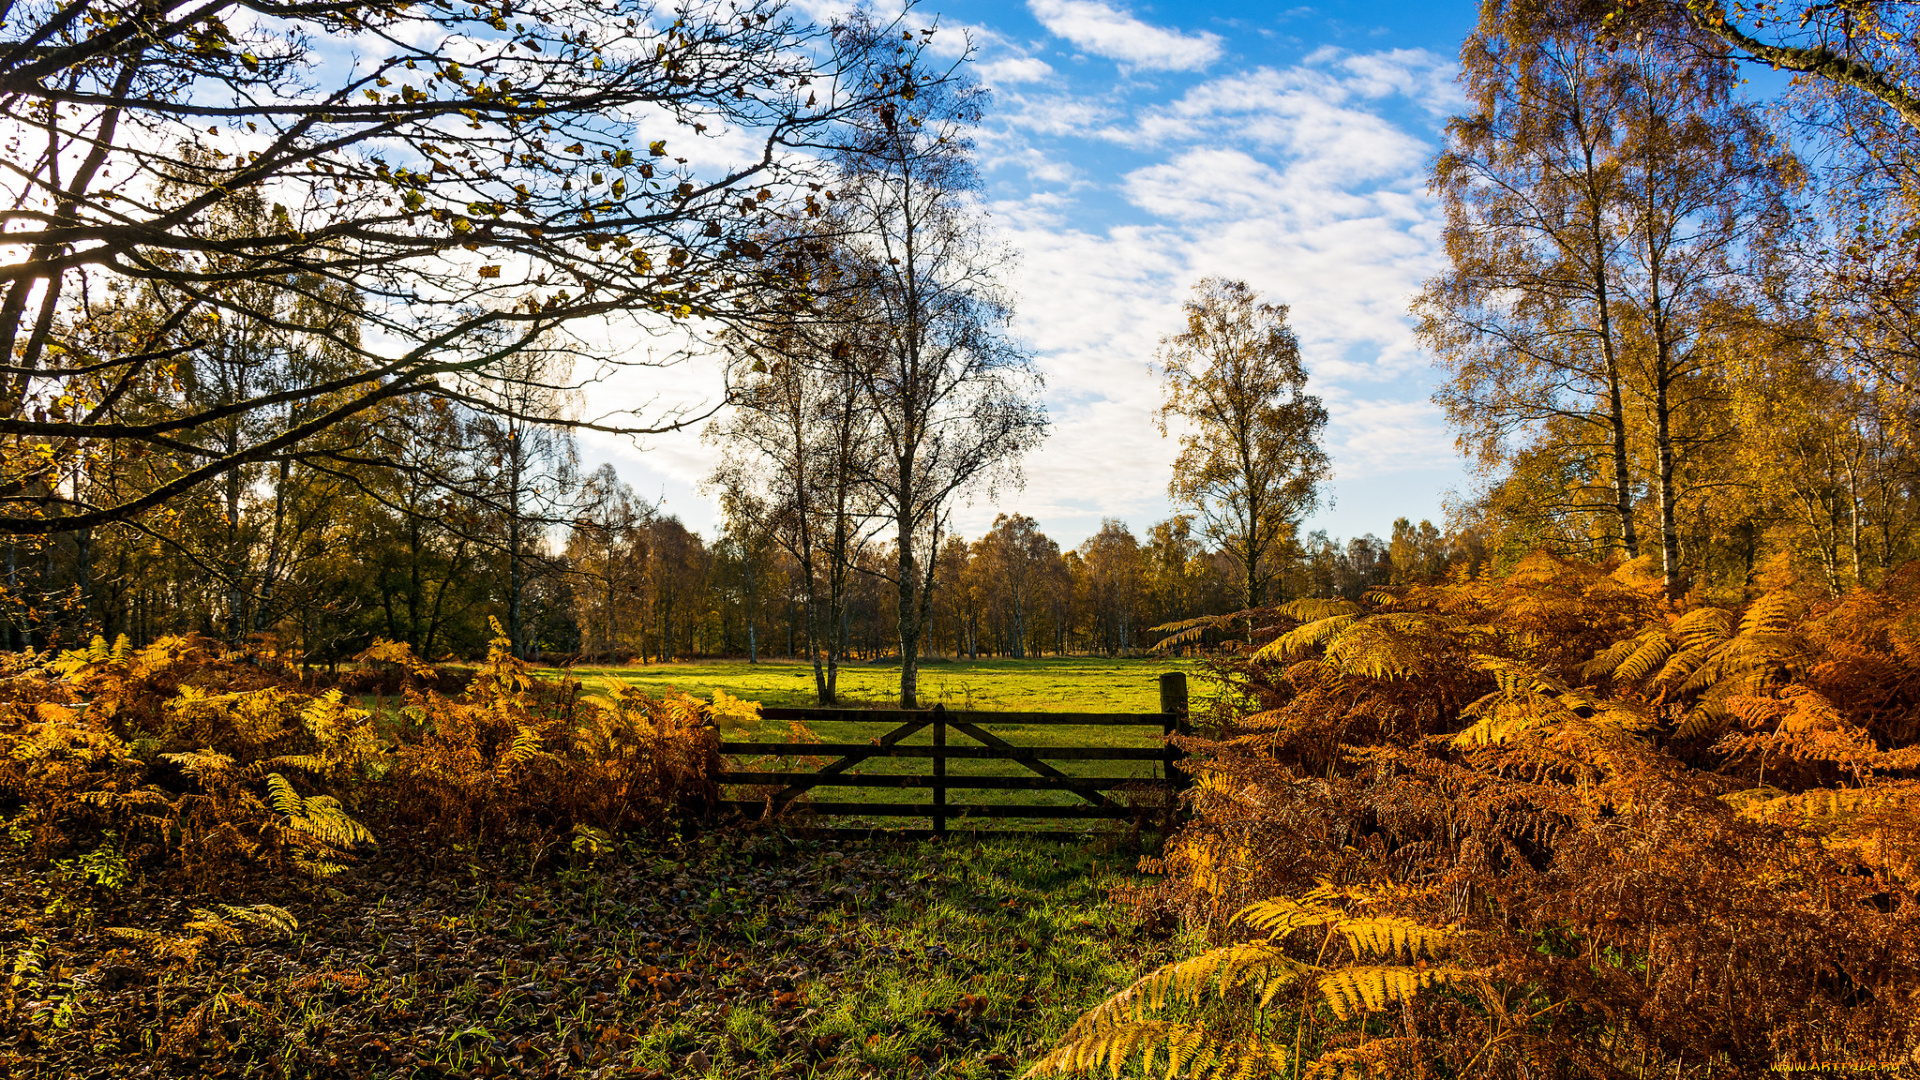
(1293, 179)
(1307, 179)
(1320, 112)
(1017, 69)
(1053, 114)
(1105, 30)
(1415, 74)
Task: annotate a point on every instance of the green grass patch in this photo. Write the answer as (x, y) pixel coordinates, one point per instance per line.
(1068, 684)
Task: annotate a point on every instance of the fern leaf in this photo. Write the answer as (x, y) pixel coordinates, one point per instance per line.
(1650, 651)
(323, 817)
(1186, 631)
(1703, 627)
(213, 926)
(1353, 990)
(144, 938)
(1375, 1057)
(526, 747)
(275, 922)
(307, 763)
(1384, 936)
(1305, 636)
(1770, 616)
(1185, 981)
(281, 796)
(1706, 718)
(204, 765)
(1280, 917)
(166, 946)
(1311, 610)
(1683, 664)
(316, 868)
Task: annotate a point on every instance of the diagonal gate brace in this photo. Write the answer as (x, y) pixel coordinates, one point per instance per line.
(996, 742)
(787, 795)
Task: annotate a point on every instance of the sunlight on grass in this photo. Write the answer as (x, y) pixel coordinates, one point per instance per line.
(1073, 684)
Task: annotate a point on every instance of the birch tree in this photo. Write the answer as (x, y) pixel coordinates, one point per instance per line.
(1250, 461)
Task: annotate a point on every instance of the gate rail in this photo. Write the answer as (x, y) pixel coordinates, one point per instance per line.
(1040, 776)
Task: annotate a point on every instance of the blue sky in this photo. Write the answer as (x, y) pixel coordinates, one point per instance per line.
(1133, 149)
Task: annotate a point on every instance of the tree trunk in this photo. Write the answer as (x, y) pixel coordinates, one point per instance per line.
(909, 615)
(515, 581)
(1663, 446)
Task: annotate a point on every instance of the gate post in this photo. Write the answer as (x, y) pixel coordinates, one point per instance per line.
(939, 770)
(1173, 705)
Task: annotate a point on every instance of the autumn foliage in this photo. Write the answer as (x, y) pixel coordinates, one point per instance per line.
(1647, 837)
(191, 760)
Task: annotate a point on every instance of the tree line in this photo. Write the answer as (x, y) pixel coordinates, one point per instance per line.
(301, 346)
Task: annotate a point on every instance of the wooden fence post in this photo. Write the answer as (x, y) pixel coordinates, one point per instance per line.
(1173, 704)
(939, 770)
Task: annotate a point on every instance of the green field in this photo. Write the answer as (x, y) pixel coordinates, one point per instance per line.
(1064, 685)
(1074, 684)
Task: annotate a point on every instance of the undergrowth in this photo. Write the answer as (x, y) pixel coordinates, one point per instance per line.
(1547, 824)
(198, 766)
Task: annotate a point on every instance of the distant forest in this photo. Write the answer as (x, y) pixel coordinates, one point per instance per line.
(618, 585)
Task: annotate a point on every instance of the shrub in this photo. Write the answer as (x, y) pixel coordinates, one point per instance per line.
(190, 755)
(1668, 838)
(512, 753)
(193, 761)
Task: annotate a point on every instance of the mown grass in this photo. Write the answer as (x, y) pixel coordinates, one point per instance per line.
(1076, 684)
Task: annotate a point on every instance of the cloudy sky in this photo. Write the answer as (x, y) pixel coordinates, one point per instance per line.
(1135, 148)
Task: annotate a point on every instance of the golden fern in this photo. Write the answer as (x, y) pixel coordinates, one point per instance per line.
(227, 925)
(1186, 631)
(730, 713)
(1378, 1057)
(399, 654)
(281, 796)
(320, 816)
(1821, 808)
(1354, 990)
(1528, 700)
(205, 765)
(1264, 967)
(1305, 636)
(324, 819)
(1392, 645)
(1877, 826)
(317, 764)
(1387, 936)
(1129, 1024)
(275, 923)
(167, 947)
(74, 661)
(316, 868)
(1190, 1049)
(526, 747)
(1703, 658)
(1633, 659)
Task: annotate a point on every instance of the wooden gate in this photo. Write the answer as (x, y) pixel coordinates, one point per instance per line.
(1094, 793)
